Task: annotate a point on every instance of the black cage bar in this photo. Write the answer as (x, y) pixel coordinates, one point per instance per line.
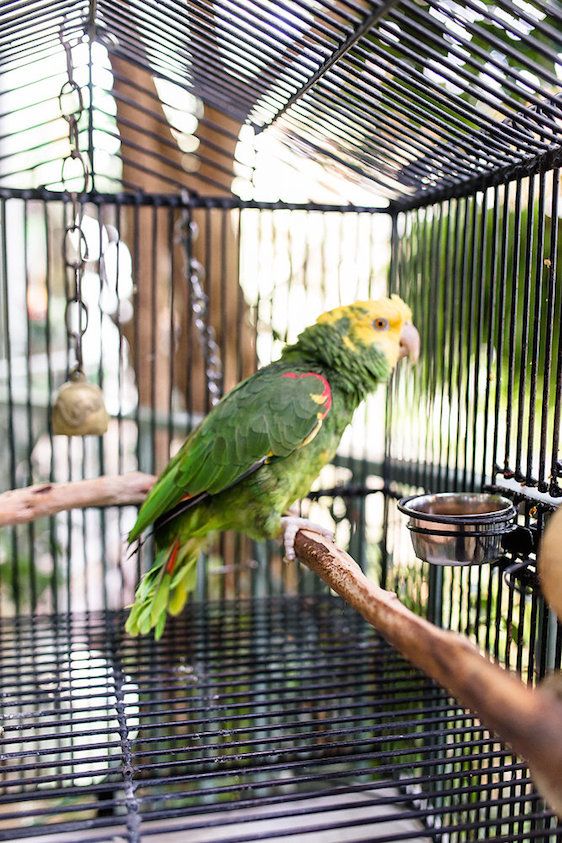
(423, 143)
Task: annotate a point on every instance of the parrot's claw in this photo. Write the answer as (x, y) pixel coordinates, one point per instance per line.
(291, 524)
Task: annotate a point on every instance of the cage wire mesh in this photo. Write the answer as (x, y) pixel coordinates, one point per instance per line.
(422, 137)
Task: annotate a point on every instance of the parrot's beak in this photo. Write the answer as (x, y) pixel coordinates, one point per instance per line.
(410, 342)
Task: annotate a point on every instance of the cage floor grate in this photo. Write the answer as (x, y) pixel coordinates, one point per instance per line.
(272, 719)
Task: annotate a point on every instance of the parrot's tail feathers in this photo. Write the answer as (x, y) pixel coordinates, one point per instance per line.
(134, 548)
(164, 589)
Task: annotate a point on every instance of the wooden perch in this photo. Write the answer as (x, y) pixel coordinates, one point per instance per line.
(529, 720)
(22, 505)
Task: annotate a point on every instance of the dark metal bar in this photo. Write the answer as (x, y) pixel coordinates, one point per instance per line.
(513, 321)
(537, 280)
(367, 24)
(502, 175)
(479, 261)
(493, 332)
(152, 272)
(543, 97)
(32, 584)
(525, 327)
(136, 270)
(545, 268)
(53, 550)
(195, 201)
(119, 247)
(172, 339)
(556, 467)
(458, 74)
(494, 41)
(100, 375)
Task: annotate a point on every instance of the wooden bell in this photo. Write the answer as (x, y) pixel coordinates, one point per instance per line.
(79, 409)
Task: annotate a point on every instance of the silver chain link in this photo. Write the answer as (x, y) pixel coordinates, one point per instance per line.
(186, 233)
(75, 245)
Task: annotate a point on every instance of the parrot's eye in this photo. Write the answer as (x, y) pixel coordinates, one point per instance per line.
(380, 324)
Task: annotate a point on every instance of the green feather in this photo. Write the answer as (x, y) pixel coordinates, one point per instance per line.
(266, 414)
(160, 599)
(159, 628)
(161, 592)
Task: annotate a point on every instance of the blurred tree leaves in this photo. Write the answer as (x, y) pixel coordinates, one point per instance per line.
(484, 285)
(21, 578)
(444, 54)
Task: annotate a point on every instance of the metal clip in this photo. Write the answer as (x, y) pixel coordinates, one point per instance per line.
(521, 578)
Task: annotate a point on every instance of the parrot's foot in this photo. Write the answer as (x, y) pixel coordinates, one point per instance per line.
(291, 524)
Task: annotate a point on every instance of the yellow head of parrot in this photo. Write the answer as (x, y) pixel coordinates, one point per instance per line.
(385, 323)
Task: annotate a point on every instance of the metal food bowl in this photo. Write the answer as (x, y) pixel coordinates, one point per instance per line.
(458, 528)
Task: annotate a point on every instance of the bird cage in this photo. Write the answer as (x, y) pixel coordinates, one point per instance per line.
(183, 188)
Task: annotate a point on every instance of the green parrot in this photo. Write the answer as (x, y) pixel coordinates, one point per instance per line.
(261, 447)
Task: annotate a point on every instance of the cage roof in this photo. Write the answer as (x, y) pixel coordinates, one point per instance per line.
(407, 96)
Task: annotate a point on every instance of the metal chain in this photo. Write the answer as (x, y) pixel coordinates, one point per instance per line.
(186, 233)
(75, 245)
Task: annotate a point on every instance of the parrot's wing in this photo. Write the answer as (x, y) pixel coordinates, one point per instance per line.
(270, 414)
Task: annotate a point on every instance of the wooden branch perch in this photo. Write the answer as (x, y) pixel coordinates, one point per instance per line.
(22, 505)
(529, 720)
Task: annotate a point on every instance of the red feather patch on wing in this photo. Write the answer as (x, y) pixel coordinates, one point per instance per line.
(324, 398)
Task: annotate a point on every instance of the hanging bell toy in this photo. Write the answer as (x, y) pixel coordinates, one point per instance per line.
(79, 409)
